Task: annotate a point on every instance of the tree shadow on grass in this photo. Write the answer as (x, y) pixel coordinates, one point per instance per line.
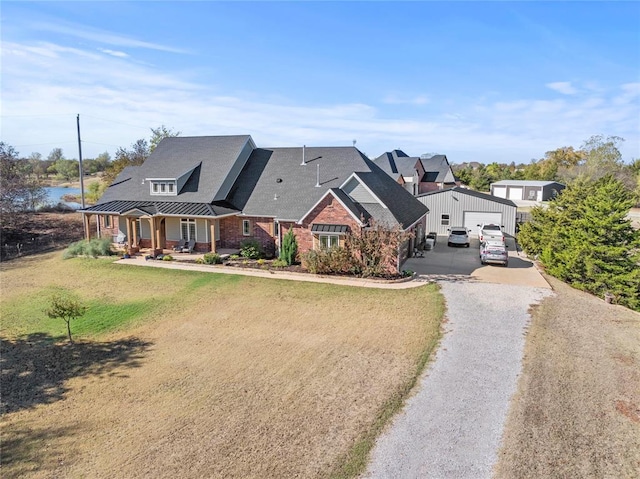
(34, 369)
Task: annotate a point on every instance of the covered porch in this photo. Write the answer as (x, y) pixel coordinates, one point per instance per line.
(139, 229)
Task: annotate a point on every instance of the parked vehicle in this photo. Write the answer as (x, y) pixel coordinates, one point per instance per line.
(458, 235)
(490, 232)
(494, 252)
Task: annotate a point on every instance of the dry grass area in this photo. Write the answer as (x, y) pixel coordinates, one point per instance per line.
(577, 410)
(234, 377)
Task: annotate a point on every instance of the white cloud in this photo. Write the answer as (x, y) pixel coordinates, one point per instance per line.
(564, 87)
(114, 53)
(45, 85)
(103, 36)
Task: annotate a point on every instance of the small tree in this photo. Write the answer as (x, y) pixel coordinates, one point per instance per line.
(289, 249)
(67, 308)
(375, 249)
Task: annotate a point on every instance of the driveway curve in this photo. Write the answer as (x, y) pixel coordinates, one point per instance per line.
(452, 426)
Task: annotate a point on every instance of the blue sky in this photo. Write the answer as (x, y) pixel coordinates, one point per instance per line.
(477, 81)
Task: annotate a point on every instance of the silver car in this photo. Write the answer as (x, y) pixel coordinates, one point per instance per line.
(494, 252)
(458, 236)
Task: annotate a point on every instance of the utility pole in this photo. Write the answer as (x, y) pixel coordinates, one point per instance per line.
(80, 169)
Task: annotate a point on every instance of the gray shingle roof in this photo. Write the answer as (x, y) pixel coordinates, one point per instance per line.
(285, 189)
(397, 162)
(211, 158)
(402, 205)
(271, 182)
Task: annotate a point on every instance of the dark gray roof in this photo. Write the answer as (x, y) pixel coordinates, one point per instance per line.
(286, 189)
(469, 192)
(322, 228)
(210, 159)
(401, 205)
(162, 208)
(437, 170)
(397, 162)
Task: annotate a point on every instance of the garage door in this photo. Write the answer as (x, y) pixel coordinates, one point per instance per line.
(500, 191)
(472, 219)
(515, 193)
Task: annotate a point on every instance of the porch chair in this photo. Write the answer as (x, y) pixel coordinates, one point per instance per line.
(188, 248)
(180, 246)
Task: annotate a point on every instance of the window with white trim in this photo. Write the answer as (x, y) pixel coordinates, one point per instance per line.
(188, 229)
(246, 228)
(328, 241)
(163, 188)
(107, 221)
(444, 220)
(276, 229)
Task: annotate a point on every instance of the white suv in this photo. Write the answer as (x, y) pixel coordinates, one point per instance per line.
(458, 235)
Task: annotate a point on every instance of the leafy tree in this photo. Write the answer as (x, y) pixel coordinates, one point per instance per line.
(55, 155)
(133, 157)
(289, 249)
(585, 238)
(159, 134)
(67, 308)
(67, 169)
(18, 191)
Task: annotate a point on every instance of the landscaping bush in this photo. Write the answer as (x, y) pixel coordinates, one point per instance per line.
(211, 258)
(289, 249)
(93, 248)
(279, 263)
(251, 249)
(167, 257)
(331, 261)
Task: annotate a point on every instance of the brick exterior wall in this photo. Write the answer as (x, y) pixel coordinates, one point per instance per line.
(261, 229)
(111, 232)
(328, 211)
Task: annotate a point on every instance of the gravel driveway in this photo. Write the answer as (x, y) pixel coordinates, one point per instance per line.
(452, 426)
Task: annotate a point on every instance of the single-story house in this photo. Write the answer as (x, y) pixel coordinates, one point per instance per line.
(417, 174)
(464, 207)
(222, 190)
(529, 190)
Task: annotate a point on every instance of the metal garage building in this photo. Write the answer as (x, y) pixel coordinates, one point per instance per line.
(526, 189)
(463, 207)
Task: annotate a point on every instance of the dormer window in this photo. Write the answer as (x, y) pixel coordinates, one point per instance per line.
(165, 187)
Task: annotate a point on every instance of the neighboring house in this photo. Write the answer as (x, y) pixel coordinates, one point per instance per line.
(463, 207)
(526, 190)
(417, 175)
(219, 191)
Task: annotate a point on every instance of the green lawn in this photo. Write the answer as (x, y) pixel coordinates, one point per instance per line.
(117, 296)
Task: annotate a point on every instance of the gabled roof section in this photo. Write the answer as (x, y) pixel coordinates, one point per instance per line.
(474, 193)
(343, 199)
(208, 165)
(394, 199)
(437, 170)
(397, 162)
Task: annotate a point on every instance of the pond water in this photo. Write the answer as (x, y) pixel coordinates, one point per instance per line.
(55, 194)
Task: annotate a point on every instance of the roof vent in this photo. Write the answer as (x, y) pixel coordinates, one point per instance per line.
(279, 180)
(303, 162)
